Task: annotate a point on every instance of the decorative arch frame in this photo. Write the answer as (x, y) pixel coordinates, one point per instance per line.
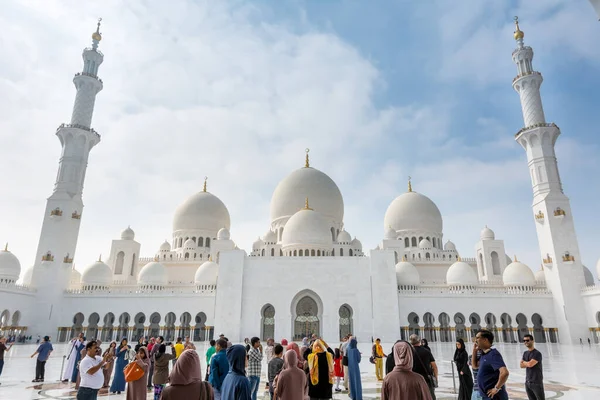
(294, 304)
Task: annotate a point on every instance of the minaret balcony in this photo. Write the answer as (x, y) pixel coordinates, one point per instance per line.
(75, 215)
(539, 217)
(568, 259)
(540, 125)
(67, 260)
(88, 74)
(57, 212)
(526, 74)
(48, 257)
(77, 126)
(548, 260)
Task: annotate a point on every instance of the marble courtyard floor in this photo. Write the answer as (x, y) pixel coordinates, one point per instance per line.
(570, 372)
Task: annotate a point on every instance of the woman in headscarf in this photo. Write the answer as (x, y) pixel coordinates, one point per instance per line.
(137, 390)
(320, 371)
(354, 370)
(305, 345)
(236, 385)
(390, 363)
(291, 382)
(402, 383)
(425, 344)
(160, 374)
(109, 369)
(293, 346)
(461, 358)
(118, 383)
(185, 381)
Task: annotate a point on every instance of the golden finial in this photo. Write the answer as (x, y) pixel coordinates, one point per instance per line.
(204, 188)
(306, 161)
(306, 206)
(210, 257)
(409, 184)
(156, 258)
(404, 257)
(96, 35)
(6, 247)
(516, 258)
(458, 258)
(518, 34)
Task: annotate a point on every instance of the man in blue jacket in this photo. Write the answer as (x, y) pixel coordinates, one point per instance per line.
(219, 367)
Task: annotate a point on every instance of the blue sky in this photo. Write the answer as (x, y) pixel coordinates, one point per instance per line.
(236, 91)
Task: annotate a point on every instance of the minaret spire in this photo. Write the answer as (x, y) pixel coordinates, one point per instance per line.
(551, 207)
(306, 160)
(96, 36)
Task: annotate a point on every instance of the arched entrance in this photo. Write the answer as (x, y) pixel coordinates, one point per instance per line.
(475, 321)
(538, 328)
(107, 329)
(507, 330)
(138, 331)
(267, 322)
(154, 328)
(77, 324)
(170, 327)
(428, 329)
(185, 319)
(445, 335)
(345, 313)
(460, 328)
(123, 332)
(306, 313)
(522, 328)
(200, 327)
(92, 329)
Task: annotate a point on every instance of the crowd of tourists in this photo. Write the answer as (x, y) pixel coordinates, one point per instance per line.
(312, 370)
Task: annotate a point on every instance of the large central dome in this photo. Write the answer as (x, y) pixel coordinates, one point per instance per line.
(413, 211)
(324, 195)
(201, 211)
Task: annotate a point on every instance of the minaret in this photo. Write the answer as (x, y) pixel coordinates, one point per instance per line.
(64, 207)
(551, 208)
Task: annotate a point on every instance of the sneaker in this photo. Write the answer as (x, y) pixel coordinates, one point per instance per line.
(338, 390)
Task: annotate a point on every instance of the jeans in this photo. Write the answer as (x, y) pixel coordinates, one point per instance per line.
(1, 366)
(254, 384)
(40, 369)
(476, 395)
(501, 395)
(535, 391)
(87, 393)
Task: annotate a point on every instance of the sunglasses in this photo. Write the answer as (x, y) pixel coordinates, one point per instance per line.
(526, 340)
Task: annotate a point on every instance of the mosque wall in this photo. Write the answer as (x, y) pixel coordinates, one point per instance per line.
(591, 301)
(15, 308)
(309, 295)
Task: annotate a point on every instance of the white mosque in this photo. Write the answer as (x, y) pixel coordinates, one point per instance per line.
(200, 281)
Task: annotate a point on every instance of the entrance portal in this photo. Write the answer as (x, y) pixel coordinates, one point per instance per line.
(306, 322)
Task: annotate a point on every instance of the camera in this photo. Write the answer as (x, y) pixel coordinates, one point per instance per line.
(169, 344)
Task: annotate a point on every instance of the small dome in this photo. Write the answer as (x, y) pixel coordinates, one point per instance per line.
(344, 237)
(487, 234)
(165, 247)
(324, 195)
(27, 276)
(461, 274)
(518, 274)
(413, 211)
(407, 274)
(307, 227)
(189, 244)
(450, 246)
(390, 234)
(356, 244)
(425, 244)
(153, 273)
(223, 234)
(75, 277)
(10, 267)
(587, 276)
(207, 273)
(540, 276)
(201, 211)
(258, 244)
(270, 237)
(97, 274)
(128, 234)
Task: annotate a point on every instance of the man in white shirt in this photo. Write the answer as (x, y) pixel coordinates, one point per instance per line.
(90, 368)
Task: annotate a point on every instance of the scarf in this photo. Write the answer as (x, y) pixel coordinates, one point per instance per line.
(313, 362)
(403, 356)
(378, 350)
(459, 350)
(187, 369)
(145, 360)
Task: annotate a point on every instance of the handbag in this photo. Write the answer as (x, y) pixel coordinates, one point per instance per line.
(372, 359)
(345, 361)
(133, 372)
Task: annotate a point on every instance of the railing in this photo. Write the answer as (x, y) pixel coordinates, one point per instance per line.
(90, 75)
(78, 126)
(594, 289)
(536, 290)
(541, 124)
(526, 74)
(92, 49)
(17, 287)
(202, 290)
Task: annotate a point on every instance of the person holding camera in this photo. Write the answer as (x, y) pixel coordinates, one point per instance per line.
(91, 370)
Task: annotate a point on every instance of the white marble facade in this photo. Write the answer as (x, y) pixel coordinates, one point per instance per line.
(306, 274)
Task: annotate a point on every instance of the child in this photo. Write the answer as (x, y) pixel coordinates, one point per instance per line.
(338, 369)
(275, 366)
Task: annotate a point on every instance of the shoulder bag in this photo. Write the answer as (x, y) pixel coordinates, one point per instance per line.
(133, 372)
